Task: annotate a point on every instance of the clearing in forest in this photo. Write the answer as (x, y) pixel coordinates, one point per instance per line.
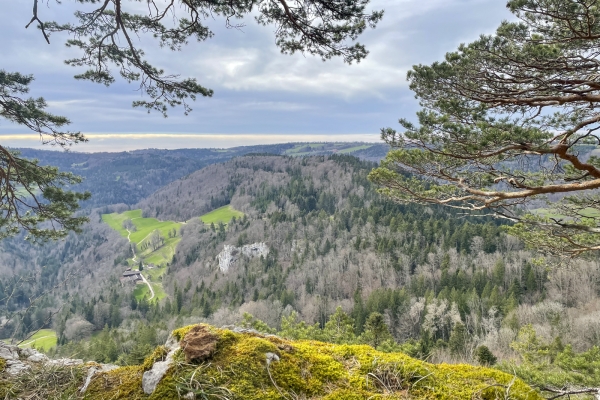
(157, 253)
(223, 214)
(585, 213)
(43, 340)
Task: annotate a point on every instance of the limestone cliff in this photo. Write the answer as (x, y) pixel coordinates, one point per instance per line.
(203, 362)
(230, 254)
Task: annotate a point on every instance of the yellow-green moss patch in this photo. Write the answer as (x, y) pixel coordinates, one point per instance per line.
(122, 383)
(262, 367)
(326, 371)
(158, 354)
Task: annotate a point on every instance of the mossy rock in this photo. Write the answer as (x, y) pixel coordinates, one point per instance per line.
(158, 354)
(122, 383)
(308, 369)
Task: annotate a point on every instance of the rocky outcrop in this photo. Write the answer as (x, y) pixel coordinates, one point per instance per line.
(231, 254)
(152, 377)
(19, 360)
(96, 369)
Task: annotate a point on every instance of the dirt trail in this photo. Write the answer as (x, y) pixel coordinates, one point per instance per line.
(135, 260)
(33, 341)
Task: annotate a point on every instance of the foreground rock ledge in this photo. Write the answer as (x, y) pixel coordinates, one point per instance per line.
(244, 364)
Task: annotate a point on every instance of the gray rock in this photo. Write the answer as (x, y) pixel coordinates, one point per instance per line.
(28, 352)
(230, 254)
(152, 377)
(65, 362)
(271, 357)
(16, 367)
(95, 370)
(9, 352)
(38, 358)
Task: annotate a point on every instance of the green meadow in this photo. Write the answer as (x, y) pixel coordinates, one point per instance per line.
(141, 291)
(355, 148)
(43, 340)
(144, 226)
(164, 254)
(158, 257)
(547, 213)
(223, 214)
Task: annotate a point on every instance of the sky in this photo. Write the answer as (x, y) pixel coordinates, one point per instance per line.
(261, 96)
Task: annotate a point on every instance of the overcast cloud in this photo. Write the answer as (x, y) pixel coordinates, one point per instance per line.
(261, 96)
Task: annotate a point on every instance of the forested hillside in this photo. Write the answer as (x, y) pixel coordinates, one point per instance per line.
(128, 177)
(344, 265)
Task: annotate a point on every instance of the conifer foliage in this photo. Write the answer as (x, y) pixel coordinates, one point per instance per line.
(505, 120)
(32, 194)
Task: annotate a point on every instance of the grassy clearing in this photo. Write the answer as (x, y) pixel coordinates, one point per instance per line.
(115, 220)
(154, 276)
(43, 340)
(547, 213)
(355, 148)
(163, 254)
(159, 291)
(144, 227)
(300, 149)
(158, 257)
(140, 291)
(223, 214)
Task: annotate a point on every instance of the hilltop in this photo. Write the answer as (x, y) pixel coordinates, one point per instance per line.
(203, 362)
(128, 177)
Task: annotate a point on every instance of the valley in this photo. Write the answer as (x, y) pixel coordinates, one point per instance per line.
(334, 261)
(154, 242)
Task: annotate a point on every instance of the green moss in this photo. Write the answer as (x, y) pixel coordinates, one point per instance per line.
(167, 388)
(158, 354)
(181, 332)
(122, 383)
(5, 388)
(327, 371)
(2, 364)
(305, 369)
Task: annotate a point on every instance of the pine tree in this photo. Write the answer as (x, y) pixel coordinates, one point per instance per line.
(376, 330)
(495, 113)
(339, 328)
(484, 356)
(459, 338)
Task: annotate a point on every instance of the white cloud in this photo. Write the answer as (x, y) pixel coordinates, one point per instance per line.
(257, 89)
(113, 142)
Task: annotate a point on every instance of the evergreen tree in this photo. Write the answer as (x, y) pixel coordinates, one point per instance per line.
(484, 356)
(376, 330)
(504, 123)
(339, 328)
(459, 338)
